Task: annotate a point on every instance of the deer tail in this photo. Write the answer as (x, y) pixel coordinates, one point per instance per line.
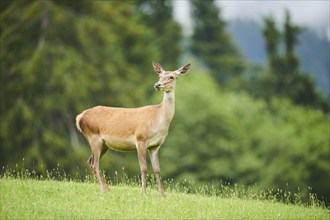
(78, 121)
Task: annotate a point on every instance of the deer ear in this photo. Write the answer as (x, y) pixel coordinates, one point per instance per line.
(184, 68)
(157, 67)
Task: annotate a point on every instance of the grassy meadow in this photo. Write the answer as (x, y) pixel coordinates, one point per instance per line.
(47, 198)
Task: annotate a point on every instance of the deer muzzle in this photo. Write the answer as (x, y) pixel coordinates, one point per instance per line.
(157, 86)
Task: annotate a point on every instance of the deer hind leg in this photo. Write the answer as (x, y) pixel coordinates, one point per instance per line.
(155, 165)
(98, 150)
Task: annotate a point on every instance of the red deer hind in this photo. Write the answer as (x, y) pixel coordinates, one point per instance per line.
(126, 129)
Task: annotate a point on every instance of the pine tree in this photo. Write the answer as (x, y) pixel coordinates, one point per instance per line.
(286, 78)
(272, 39)
(168, 34)
(291, 32)
(212, 44)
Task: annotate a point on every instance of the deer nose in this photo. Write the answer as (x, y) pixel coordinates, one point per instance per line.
(157, 86)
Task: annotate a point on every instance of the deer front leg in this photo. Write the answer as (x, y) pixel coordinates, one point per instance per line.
(141, 150)
(155, 165)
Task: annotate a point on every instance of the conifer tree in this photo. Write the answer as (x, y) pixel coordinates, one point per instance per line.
(212, 44)
(272, 39)
(158, 15)
(286, 79)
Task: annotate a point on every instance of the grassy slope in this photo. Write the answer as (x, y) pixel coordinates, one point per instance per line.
(50, 199)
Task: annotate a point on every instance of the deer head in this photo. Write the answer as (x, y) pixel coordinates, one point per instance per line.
(167, 79)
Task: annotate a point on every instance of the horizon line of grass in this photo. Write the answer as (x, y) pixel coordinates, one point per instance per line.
(221, 189)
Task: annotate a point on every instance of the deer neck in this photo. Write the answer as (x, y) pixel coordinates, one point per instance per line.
(167, 107)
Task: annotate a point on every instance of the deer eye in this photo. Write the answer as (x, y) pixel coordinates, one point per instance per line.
(171, 77)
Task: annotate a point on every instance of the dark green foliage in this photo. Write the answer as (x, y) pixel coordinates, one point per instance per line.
(285, 78)
(272, 39)
(158, 17)
(212, 44)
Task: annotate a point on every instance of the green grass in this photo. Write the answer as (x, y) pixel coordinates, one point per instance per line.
(49, 199)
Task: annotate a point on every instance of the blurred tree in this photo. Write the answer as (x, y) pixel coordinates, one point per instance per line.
(272, 36)
(291, 32)
(212, 44)
(286, 78)
(168, 34)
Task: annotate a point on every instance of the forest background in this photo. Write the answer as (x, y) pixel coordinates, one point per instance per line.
(262, 125)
